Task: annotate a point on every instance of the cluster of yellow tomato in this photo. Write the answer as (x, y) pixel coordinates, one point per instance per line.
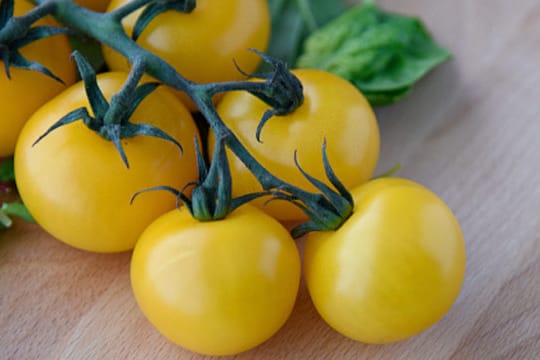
(221, 287)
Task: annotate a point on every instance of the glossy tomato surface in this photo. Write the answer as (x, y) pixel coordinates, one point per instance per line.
(217, 287)
(333, 110)
(393, 269)
(28, 90)
(75, 184)
(203, 44)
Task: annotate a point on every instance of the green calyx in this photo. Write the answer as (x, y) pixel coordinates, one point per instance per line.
(157, 7)
(16, 32)
(211, 198)
(111, 120)
(326, 210)
(282, 90)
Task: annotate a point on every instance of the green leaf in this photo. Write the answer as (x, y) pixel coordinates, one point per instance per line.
(386, 97)
(16, 208)
(7, 172)
(381, 53)
(293, 21)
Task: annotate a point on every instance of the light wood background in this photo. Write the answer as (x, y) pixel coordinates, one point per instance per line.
(470, 131)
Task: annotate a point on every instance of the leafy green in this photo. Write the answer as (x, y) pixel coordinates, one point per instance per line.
(381, 53)
(7, 172)
(15, 208)
(294, 20)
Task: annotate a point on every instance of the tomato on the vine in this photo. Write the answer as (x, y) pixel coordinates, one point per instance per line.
(393, 269)
(74, 182)
(216, 287)
(333, 111)
(204, 44)
(28, 90)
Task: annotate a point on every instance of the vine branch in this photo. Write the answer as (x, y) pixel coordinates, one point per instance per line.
(279, 88)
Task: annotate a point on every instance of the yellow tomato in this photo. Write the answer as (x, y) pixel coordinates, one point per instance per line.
(75, 184)
(28, 90)
(333, 109)
(203, 44)
(393, 269)
(216, 287)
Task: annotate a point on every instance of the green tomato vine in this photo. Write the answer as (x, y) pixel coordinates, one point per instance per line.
(211, 198)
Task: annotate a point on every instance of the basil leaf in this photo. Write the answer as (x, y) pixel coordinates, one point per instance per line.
(386, 97)
(294, 20)
(16, 208)
(7, 172)
(381, 53)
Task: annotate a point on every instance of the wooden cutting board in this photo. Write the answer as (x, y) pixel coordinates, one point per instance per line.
(470, 131)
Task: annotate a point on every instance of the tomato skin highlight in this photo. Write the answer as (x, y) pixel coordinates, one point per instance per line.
(28, 90)
(217, 287)
(333, 111)
(75, 184)
(203, 45)
(393, 269)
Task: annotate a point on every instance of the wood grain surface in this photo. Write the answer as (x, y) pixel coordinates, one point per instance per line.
(470, 131)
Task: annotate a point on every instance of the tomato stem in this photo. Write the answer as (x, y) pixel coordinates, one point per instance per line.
(129, 8)
(393, 170)
(17, 27)
(121, 101)
(211, 197)
(17, 32)
(157, 7)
